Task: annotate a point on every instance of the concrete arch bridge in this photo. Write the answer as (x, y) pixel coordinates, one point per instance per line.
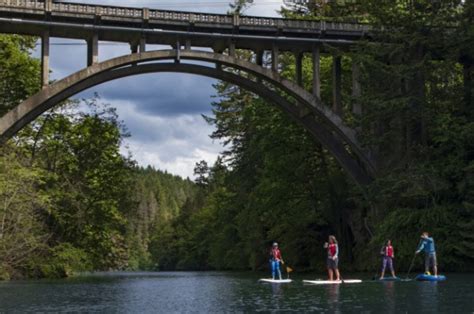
(186, 33)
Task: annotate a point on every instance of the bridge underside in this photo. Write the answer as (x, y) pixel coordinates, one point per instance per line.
(302, 106)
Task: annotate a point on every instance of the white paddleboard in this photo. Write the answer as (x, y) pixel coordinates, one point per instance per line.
(275, 280)
(332, 282)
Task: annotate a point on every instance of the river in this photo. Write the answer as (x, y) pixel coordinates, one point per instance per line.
(210, 292)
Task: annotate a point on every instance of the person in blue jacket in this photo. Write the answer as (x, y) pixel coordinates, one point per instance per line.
(428, 246)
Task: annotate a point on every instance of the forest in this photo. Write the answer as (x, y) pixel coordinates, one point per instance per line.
(72, 203)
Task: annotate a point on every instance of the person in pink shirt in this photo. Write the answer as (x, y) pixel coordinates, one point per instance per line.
(333, 258)
(387, 260)
(275, 259)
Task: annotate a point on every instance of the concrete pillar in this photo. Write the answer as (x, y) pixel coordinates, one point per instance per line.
(336, 85)
(316, 72)
(259, 57)
(133, 47)
(178, 52)
(219, 51)
(275, 56)
(45, 59)
(187, 44)
(232, 49)
(142, 44)
(299, 68)
(93, 50)
(356, 89)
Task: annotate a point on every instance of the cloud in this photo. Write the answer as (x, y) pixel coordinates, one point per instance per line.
(171, 143)
(165, 94)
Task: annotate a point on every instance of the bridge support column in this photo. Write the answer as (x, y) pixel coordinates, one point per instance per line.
(187, 44)
(142, 44)
(275, 56)
(259, 61)
(299, 68)
(177, 47)
(356, 89)
(45, 59)
(93, 50)
(259, 57)
(316, 72)
(133, 47)
(220, 51)
(232, 49)
(336, 85)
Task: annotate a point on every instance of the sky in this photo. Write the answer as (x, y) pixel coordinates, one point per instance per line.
(161, 111)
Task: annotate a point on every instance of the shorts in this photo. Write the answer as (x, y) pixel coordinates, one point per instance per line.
(387, 262)
(430, 260)
(331, 263)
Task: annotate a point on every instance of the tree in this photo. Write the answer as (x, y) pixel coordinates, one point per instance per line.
(23, 235)
(19, 72)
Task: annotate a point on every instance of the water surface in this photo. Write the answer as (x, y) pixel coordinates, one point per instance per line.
(210, 292)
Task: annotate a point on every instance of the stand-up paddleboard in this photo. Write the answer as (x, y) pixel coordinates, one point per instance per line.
(275, 280)
(424, 277)
(332, 282)
(389, 279)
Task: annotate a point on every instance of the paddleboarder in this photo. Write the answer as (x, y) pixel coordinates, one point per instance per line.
(275, 259)
(388, 254)
(428, 246)
(333, 258)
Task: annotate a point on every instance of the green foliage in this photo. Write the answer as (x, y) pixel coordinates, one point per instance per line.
(160, 198)
(19, 73)
(64, 261)
(86, 178)
(23, 235)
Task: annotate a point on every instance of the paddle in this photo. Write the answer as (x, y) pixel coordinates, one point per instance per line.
(412, 261)
(288, 269)
(411, 266)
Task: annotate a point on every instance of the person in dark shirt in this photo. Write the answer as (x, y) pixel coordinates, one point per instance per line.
(428, 246)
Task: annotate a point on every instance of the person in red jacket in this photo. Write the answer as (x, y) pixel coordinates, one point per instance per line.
(275, 259)
(388, 255)
(333, 258)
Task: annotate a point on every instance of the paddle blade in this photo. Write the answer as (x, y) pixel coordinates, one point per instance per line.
(289, 269)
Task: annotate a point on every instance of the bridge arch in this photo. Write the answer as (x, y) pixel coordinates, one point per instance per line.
(319, 120)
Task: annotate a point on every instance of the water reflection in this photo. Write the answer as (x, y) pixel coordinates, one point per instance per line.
(333, 297)
(277, 290)
(428, 293)
(389, 296)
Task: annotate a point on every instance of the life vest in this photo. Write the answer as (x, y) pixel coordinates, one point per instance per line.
(389, 251)
(275, 253)
(332, 249)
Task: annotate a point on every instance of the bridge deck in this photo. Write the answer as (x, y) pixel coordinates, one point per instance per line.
(125, 24)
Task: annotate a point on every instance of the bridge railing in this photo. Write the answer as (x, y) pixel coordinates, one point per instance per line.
(29, 4)
(190, 17)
